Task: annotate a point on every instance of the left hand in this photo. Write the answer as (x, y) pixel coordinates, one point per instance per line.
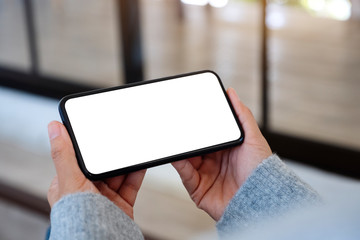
(122, 190)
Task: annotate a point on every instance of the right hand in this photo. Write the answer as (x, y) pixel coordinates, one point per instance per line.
(213, 179)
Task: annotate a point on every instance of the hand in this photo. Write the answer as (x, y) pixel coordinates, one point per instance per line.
(121, 190)
(213, 179)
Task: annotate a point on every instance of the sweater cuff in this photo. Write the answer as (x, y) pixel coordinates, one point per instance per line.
(90, 216)
(271, 190)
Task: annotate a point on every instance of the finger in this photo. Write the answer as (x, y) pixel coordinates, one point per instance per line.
(131, 185)
(243, 113)
(188, 174)
(53, 192)
(115, 182)
(196, 162)
(62, 153)
(113, 196)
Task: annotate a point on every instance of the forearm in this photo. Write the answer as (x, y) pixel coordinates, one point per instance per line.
(270, 191)
(90, 216)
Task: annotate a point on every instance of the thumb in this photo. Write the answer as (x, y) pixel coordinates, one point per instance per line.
(53, 192)
(62, 153)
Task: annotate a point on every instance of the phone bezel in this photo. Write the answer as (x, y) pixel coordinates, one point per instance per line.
(153, 163)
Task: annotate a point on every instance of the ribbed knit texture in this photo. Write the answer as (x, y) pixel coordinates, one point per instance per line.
(270, 191)
(90, 216)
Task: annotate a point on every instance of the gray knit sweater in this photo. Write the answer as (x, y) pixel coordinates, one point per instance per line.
(270, 191)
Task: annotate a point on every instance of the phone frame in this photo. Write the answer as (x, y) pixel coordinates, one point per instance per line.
(153, 163)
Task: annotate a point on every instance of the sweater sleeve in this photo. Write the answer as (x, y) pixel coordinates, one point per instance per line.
(90, 216)
(270, 191)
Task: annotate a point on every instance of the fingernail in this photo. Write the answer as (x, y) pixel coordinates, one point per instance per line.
(53, 130)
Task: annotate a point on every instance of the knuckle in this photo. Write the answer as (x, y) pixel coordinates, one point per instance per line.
(56, 152)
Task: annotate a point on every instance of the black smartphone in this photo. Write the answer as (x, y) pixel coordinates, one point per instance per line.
(118, 130)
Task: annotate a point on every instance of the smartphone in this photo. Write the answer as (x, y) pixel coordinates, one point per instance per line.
(118, 130)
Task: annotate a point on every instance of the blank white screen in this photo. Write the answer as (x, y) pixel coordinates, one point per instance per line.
(129, 126)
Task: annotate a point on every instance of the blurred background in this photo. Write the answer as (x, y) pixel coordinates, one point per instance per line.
(295, 63)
